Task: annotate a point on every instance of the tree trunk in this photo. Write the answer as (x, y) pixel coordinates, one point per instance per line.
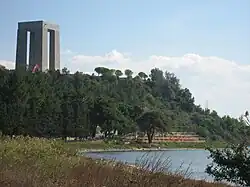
(152, 134)
(105, 134)
(93, 131)
(149, 137)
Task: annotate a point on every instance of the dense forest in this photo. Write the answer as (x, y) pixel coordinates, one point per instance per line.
(60, 104)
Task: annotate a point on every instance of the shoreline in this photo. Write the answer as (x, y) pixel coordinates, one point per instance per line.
(137, 150)
(102, 147)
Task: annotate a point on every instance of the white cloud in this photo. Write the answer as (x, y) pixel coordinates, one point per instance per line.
(112, 58)
(7, 64)
(224, 84)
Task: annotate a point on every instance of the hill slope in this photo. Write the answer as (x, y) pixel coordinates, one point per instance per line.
(58, 104)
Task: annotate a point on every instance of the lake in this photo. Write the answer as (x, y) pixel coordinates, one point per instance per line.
(195, 161)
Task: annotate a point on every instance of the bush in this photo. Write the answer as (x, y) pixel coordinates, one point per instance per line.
(231, 164)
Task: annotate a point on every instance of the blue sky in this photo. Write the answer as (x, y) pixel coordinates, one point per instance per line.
(142, 27)
(206, 43)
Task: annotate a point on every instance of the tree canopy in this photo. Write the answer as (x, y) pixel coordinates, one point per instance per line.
(60, 104)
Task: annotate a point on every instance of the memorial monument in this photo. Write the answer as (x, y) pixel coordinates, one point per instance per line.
(38, 47)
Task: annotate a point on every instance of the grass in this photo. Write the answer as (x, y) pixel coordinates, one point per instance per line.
(45, 163)
(99, 144)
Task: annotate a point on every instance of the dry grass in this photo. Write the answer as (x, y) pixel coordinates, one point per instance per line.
(45, 163)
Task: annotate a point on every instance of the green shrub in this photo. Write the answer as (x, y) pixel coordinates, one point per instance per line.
(231, 164)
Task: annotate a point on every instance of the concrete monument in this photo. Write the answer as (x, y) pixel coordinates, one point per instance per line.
(38, 47)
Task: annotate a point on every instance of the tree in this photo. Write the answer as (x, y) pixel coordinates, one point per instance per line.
(128, 73)
(98, 70)
(157, 75)
(247, 115)
(65, 71)
(102, 70)
(59, 104)
(143, 75)
(149, 122)
(231, 164)
(112, 71)
(118, 73)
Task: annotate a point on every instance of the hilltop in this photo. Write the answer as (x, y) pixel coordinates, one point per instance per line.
(55, 104)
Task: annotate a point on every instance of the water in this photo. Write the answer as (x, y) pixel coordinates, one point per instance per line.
(195, 161)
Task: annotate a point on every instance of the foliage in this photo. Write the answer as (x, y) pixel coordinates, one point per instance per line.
(231, 164)
(59, 104)
(149, 122)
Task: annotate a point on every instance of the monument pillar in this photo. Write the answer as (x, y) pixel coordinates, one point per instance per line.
(21, 48)
(54, 53)
(38, 52)
(41, 48)
(32, 51)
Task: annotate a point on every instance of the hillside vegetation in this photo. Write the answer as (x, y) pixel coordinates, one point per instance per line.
(55, 104)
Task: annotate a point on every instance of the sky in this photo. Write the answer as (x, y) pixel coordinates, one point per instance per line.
(206, 43)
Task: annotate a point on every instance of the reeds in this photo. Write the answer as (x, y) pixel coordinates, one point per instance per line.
(39, 162)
